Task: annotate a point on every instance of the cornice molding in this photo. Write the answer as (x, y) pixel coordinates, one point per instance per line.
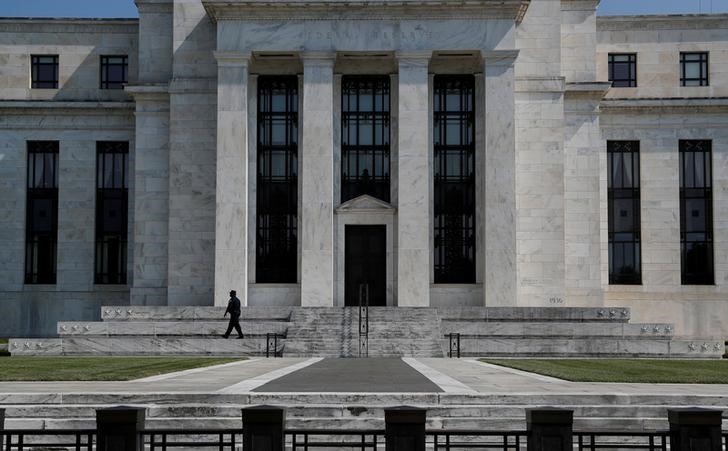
(220, 10)
(65, 105)
(666, 105)
(662, 22)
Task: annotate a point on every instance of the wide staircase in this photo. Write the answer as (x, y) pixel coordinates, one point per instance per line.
(390, 331)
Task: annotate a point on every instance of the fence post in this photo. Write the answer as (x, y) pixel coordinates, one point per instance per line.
(118, 429)
(264, 428)
(404, 428)
(550, 429)
(695, 428)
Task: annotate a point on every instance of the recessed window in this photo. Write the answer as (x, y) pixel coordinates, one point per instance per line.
(112, 212)
(44, 71)
(276, 234)
(694, 69)
(454, 178)
(623, 196)
(41, 233)
(623, 70)
(114, 72)
(696, 212)
(365, 137)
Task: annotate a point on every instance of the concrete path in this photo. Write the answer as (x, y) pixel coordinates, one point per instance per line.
(409, 375)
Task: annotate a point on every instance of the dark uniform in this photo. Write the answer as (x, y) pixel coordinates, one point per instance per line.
(233, 309)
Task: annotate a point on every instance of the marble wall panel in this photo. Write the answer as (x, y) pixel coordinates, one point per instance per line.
(578, 41)
(231, 215)
(695, 310)
(500, 183)
(414, 174)
(583, 146)
(317, 182)
(79, 44)
(538, 39)
(192, 180)
(658, 42)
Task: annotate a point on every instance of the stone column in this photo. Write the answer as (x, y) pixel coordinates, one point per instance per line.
(413, 187)
(317, 181)
(151, 194)
(500, 179)
(231, 206)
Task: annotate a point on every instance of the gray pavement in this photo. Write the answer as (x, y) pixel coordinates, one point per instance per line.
(374, 375)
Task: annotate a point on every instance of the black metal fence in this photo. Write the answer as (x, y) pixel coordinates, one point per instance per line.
(263, 429)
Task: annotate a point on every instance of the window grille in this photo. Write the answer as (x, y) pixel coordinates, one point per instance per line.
(365, 137)
(114, 71)
(44, 71)
(623, 194)
(277, 180)
(696, 212)
(454, 178)
(623, 70)
(112, 212)
(41, 235)
(694, 69)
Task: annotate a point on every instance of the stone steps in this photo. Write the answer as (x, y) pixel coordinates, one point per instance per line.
(393, 331)
(663, 347)
(167, 328)
(555, 329)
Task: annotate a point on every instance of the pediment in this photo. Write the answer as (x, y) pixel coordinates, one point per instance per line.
(365, 203)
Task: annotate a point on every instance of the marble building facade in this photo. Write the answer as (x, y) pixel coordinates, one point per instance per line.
(543, 113)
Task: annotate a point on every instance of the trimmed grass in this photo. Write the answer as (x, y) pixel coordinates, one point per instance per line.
(623, 370)
(98, 368)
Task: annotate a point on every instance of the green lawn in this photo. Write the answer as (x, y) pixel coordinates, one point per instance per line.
(97, 368)
(623, 370)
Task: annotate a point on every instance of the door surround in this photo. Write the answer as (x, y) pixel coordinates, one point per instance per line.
(363, 210)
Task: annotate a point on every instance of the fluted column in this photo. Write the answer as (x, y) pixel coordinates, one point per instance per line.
(415, 172)
(231, 207)
(500, 179)
(317, 181)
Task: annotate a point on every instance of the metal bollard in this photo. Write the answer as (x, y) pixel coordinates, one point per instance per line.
(264, 428)
(550, 429)
(405, 428)
(119, 428)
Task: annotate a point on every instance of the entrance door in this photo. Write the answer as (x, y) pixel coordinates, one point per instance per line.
(365, 262)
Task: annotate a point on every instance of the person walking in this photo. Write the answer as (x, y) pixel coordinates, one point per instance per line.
(233, 308)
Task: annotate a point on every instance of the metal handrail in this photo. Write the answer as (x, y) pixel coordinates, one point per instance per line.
(368, 438)
(163, 442)
(364, 320)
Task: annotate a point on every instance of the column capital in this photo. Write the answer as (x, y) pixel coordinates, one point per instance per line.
(499, 57)
(232, 59)
(318, 58)
(414, 56)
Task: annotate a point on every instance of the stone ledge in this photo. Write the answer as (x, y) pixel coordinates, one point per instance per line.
(677, 105)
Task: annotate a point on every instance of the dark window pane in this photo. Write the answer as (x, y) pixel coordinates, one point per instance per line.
(41, 235)
(114, 70)
(454, 179)
(696, 212)
(623, 197)
(365, 114)
(623, 70)
(694, 69)
(44, 71)
(112, 212)
(277, 182)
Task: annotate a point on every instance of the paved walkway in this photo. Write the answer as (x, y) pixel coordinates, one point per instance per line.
(316, 375)
(354, 376)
